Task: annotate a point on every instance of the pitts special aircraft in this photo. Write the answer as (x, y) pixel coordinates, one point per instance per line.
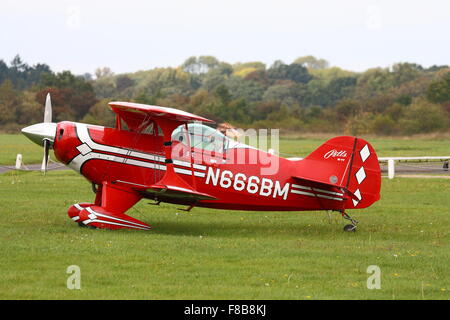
(169, 155)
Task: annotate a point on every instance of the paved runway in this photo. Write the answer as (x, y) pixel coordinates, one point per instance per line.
(417, 168)
(35, 167)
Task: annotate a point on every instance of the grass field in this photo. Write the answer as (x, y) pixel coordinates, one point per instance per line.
(213, 254)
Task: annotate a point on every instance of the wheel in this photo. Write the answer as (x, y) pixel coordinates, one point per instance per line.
(350, 227)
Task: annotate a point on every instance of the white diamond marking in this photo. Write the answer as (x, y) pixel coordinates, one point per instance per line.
(357, 193)
(364, 153)
(84, 149)
(360, 175)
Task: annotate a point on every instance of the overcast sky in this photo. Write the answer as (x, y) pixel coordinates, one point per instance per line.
(132, 35)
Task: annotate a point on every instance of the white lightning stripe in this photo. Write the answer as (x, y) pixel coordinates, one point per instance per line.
(329, 192)
(188, 165)
(111, 217)
(183, 171)
(83, 134)
(114, 223)
(301, 187)
(316, 195)
(199, 166)
(304, 193)
(327, 197)
(180, 189)
(189, 172)
(146, 156)
(75, 218)
(76, 205)
(317, 190)
(79, 160)
(145, 164)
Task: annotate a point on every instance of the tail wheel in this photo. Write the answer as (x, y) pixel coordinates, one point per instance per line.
(350, 228)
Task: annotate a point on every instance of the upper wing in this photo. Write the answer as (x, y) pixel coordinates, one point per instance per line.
(135, 113)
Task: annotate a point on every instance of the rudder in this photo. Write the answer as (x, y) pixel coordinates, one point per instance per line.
(348, 163)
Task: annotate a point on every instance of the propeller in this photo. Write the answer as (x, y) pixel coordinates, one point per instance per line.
(48, 109)
(47, 119)
(43, 133)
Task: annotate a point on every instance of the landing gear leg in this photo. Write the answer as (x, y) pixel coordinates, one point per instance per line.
(349, 227)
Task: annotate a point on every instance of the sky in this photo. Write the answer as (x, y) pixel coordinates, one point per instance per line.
(133, 35)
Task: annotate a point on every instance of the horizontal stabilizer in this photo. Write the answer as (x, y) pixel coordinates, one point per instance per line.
(326, 187)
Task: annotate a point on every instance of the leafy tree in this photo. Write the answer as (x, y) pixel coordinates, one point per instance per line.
(347, 108)
(223, 94)
(395, 111)
(246, 89)
(312, 62)
(76, 93)
(288, 93)
(383, 124)
(100, 114)
(404, 99)
(8, 102)
(404, 72)
(439, 90)
(199, 65)
(261, 110)
(422, 117)
(123, 82)
(294, 72)
(104, 72)
(29, 111)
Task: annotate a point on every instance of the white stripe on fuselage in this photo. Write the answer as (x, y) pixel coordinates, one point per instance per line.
(79, 160)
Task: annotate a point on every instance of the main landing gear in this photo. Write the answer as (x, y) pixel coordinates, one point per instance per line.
(349, 227)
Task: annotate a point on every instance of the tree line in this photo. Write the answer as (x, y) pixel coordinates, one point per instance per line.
(306, 95)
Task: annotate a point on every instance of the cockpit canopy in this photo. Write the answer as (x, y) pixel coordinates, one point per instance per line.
(203, 137)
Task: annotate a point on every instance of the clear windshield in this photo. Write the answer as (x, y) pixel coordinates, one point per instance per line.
(202, 137)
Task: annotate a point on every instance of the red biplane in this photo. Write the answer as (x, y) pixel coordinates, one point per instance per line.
(169, 155)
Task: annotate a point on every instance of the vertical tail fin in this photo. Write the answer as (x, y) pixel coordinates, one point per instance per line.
(348, 163)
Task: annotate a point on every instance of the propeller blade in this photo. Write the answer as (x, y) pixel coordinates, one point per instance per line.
(46, 154)
(48, 109)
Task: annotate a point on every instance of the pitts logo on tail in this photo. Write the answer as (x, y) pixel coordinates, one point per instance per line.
(335, 154)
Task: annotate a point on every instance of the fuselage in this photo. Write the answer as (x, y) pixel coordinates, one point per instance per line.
(238, 176)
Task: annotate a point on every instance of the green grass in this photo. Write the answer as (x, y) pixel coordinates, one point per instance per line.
(214, 254)
(12, 144)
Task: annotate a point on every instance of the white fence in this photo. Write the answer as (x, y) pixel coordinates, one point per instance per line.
(391, 161)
